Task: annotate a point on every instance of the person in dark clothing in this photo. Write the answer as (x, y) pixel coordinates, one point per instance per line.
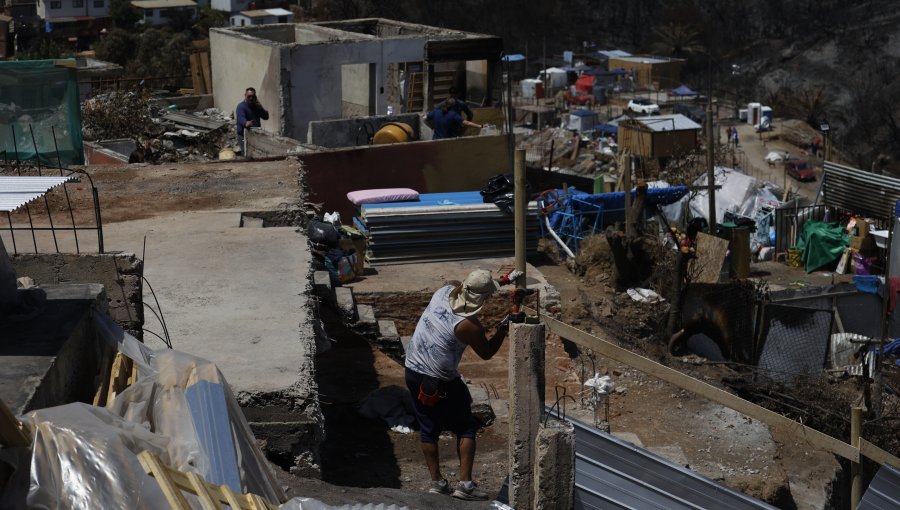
(446, 122)
(460, 106)
(248, 114)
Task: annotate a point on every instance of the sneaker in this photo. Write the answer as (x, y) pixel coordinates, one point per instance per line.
(469, 492)
(440, 487)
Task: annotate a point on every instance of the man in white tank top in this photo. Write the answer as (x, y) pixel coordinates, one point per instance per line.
(440, 397)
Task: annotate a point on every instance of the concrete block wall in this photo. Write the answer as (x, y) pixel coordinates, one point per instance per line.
(119, 273)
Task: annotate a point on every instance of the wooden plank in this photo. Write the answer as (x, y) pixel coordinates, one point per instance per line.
(103, 386)
(198, 487)
(118, 378)
(711, 251)
(156, 469)
(232, 499)
(196, 73)
(207, 74)
(258, 503)
(872, 452)
(722, 397)
(11, 433)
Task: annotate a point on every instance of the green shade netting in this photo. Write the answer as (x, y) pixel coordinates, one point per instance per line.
(40, 97)
(821, 243)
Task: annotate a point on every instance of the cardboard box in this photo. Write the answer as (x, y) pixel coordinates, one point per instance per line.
(855, 242)
(862, 227)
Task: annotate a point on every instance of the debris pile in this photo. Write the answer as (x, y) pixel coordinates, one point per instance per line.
(162, 135)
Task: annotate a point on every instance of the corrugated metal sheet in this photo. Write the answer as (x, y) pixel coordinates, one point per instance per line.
(443, 226)
(613, 474)
(660, 123)
(884, 491)
(859, 191)
(17, 191)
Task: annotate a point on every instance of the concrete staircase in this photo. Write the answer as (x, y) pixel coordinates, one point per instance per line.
(359, 317)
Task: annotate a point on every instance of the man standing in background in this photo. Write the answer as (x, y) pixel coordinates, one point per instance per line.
(249, 112)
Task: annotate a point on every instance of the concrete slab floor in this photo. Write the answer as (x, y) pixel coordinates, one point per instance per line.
(236, 296)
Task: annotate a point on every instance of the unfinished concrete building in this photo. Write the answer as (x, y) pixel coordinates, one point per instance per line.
(343, 69)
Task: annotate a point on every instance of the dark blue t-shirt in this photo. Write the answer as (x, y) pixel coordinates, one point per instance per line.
(446, 125)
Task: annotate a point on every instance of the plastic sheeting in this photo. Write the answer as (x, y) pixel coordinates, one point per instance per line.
(314, 504)
(86, 456)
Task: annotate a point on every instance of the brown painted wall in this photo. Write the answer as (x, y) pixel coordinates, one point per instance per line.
(666, 75)
(460, 164)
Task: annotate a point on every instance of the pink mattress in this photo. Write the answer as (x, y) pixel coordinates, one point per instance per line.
(381, 196)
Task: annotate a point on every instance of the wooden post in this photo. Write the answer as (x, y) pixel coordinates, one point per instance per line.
(856, 479)
(711, 170)
(521, 210)
(626, 184)
(526, 404)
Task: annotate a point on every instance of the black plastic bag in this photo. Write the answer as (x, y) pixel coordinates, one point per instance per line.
(323, 233)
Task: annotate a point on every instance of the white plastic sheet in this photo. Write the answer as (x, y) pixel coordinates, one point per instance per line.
(86, 457)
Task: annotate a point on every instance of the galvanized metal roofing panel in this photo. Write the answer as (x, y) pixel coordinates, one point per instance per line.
(884, 491)
(859, 191)
(675, 122)
(611, 473)
(17, 191)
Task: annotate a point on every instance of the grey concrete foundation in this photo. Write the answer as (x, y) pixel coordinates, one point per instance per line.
(554, 467)
(526, 404)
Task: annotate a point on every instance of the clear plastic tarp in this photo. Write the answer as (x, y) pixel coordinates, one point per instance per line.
(40, 112)
(180, 408)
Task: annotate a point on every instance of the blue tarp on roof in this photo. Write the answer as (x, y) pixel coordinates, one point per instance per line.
(583, 113)
(606, 129)
(516, 57)
(683, 90)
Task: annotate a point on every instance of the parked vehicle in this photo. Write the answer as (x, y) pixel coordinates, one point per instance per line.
(579, 99)
(693, 111)
(800, 170)
(642, 105)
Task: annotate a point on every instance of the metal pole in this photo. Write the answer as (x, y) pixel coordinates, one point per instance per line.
(856, 478)
(878, 376)
(521, 205)
(710, 169)
(626, 183)
(510, 137)
(65, 190)
(37, 158)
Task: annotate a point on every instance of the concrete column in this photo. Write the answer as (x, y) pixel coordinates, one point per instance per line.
(526, 404)
(554, 468)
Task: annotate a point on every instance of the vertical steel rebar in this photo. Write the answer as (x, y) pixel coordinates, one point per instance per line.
(46, 200)
(12, 233)
(19, 172)
(65, 190)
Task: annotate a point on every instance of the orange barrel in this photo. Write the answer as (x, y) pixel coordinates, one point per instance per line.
(393, 132)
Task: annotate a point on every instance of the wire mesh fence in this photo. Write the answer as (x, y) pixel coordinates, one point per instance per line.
(794, 341)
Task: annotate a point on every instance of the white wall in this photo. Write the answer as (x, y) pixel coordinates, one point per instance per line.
(68, 9)
(230, 5)
(259, 67)
(316, 75)
(153, 16)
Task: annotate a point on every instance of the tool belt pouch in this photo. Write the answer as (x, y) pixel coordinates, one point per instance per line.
(430, 391)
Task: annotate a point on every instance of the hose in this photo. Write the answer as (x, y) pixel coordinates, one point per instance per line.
(558, 240)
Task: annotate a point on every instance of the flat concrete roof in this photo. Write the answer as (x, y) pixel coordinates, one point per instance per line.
(162, 4)
(660, 123)
(237, 296)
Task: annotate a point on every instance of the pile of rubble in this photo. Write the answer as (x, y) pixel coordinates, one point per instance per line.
(162, 134)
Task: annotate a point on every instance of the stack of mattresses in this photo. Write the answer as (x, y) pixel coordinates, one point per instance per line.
(442, 226)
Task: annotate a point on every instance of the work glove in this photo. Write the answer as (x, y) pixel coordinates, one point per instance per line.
(511, 277)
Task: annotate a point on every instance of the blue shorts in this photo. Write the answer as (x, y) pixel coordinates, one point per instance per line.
(453, 412)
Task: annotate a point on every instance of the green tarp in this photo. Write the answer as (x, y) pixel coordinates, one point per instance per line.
(40, 97)
(821, 243)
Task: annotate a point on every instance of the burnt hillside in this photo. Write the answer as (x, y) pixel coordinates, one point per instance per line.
(807, 59)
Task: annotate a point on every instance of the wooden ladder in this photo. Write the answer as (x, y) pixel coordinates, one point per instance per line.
(211, 496)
